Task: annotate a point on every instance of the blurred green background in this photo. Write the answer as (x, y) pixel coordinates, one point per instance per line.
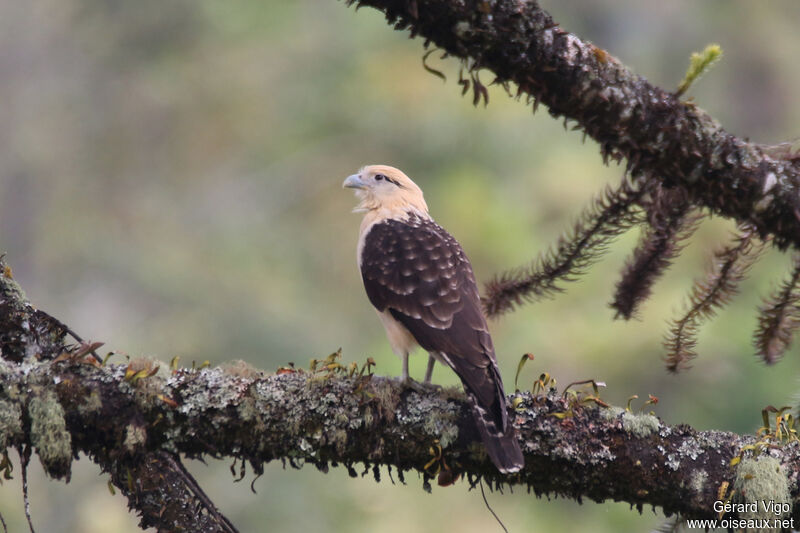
(170, 183)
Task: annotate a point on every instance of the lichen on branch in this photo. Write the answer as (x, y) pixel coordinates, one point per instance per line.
(136, 418)
(659, 135)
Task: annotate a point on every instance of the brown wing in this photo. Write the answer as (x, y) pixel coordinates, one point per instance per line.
(419, 272)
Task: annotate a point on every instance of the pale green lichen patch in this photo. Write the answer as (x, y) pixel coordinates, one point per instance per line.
(437, 418)
(611, 413)
(762, 480)
(49, 435)
(10, 422)
(690, 449)
(213, 389)
(640, 425)
(698, 481)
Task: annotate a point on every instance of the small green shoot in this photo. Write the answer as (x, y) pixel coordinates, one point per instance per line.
(785, 432)
(525, 358)
(367, 367)
(544, 383)
(699, 63)
(628, 407)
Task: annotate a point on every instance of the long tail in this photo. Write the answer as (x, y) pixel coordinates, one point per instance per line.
(501, 443)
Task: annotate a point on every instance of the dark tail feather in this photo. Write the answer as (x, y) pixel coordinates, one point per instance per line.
(502, 447)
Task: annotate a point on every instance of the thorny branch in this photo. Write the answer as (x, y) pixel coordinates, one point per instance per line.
(659, 135)
(33, 416)
(135, 419)
(689, 166)
(61, 405)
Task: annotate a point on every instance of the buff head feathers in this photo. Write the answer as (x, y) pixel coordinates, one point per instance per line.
(387, 189)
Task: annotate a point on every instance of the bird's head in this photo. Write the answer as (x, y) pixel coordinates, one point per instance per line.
(381, 187)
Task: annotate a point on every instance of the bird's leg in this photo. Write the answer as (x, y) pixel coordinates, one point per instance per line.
(429, 371)
(407, 381)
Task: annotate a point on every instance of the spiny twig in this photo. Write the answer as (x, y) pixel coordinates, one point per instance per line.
(610, 214)
(730, 267)
(659, 136)
(670, 224)
(779, 317)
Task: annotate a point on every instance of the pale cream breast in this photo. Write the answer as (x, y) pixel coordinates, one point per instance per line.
(400, 339)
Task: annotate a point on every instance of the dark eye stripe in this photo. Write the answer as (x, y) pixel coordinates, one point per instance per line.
(379, 177)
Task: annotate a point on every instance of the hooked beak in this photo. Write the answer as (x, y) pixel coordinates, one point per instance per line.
(354, 182)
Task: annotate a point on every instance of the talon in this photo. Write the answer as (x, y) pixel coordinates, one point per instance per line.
(414, 385)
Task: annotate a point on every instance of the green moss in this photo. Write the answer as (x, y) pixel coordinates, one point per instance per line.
(762, 480)
(10, 422)
(445, 424)
(49, 434)
(438, 419)
(640, 425)
(611, 413)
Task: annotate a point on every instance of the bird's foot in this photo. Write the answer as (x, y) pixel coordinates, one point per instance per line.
(420, 387)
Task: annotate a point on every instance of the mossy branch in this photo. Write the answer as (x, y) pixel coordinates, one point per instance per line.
(660, 136)
(135, 419)
(366, 424)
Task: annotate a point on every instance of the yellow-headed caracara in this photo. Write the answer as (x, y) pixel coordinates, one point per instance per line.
(421, 283)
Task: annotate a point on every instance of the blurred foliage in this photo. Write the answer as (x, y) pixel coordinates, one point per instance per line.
(170, 184)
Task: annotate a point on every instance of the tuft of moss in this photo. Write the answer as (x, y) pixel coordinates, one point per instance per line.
(640, 425)
(611, 413)
(444, 423)
(762, 480)
(49, 435)
(699, 63)
(10, 422)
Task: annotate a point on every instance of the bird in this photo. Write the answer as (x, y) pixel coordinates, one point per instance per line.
(422, 286)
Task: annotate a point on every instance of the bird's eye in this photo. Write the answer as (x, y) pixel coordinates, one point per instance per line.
(379, 177)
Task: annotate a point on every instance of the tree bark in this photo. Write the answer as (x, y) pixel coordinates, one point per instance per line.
(658, 134)
(134, 419)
